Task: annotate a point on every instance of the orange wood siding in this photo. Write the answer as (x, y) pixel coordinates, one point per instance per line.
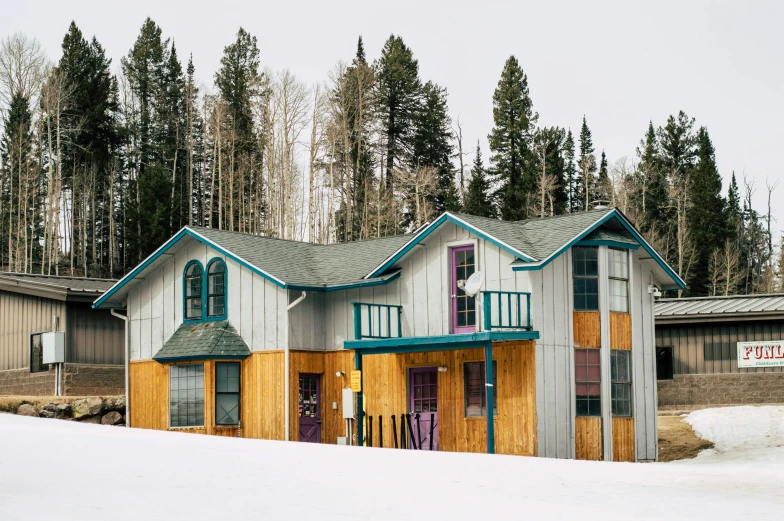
(149, 389)
(587, 329)
(515, 426)
(588, 438)
(620, 331)
(623, 439)
(262, 396)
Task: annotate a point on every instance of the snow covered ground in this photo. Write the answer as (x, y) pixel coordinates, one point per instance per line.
(740, 434)
(57, 470)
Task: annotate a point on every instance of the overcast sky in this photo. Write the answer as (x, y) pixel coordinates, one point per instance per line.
(619, 63)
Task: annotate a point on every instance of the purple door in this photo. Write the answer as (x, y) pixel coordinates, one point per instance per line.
(463, 306)
(423, 400)
(310, 408)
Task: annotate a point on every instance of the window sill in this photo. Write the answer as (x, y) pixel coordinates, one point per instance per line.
(186, 428)
(483, 418)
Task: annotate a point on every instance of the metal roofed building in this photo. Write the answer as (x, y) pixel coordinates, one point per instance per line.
(32, 304)
(697, 349)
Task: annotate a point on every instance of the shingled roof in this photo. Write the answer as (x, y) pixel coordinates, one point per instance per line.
(213, 340)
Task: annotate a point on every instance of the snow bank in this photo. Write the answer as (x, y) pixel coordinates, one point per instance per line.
(745, 433)
(51, 469)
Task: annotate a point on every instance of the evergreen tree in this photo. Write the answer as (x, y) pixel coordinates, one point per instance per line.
(478, 200)
(510, 138)
(734, 217)
(651, 195)
(551, 197)
(398, 94)
(587, 166)
(706, 214)
(433, 146)
(603, 185)
(572, 179)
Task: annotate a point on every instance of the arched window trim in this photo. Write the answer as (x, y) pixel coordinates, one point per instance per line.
(225, 314)
(184, 292)
(204, 292)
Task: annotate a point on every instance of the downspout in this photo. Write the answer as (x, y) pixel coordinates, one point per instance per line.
(125, 319)
(286, 365)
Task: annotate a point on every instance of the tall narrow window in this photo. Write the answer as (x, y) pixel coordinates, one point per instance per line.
(476, 391)
(216, 289)
(588, 382)
(619, 280)
(621, 377)
(664, 363)
(585, 272)
(463, 305)
(227, 393)
(193, 285)
(186, 395)
(37, 354)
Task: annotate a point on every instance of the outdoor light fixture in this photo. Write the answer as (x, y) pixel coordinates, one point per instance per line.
(340, 374)
(441, 369)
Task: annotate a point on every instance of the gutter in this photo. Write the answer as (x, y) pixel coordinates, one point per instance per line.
(287, 365)
(125, 319)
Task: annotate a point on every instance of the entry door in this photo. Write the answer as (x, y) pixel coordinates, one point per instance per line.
(463, 306)
(423, 399)
(310, 408)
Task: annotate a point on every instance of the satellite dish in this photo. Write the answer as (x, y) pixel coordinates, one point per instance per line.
(473, 284)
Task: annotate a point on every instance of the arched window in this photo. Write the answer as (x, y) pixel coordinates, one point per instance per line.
(216, 289)
(193, 291)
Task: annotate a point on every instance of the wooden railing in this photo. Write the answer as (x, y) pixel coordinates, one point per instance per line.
(381, 320)
(506, 310)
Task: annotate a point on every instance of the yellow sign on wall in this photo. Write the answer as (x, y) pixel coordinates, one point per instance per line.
(356, 381)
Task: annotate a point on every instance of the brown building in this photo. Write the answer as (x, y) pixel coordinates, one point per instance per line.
(33, 304)
(697, 349)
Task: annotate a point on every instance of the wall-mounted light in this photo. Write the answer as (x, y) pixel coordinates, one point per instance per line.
(441, 369)
(340, 374)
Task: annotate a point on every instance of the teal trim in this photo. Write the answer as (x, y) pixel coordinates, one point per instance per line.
(207, 317)
(376, 332)
(187, 231)
(510, 297)
(621, 219)
(611, 244)
(433, 226)
(200, 357)
(490, 399)
(436, 343)
(184, 300)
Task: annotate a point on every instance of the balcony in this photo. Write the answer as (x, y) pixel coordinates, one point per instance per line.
(506, 315)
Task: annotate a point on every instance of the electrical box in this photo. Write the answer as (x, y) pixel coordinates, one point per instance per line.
(348, 404)
(53, 347)
(342, 440)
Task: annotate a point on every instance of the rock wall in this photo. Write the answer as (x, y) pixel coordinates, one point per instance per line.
(106, 411)
(722, 389)
(78, 380)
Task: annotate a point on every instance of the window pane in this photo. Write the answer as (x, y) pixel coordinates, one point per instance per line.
(227, 409)
(587, 382)
(186, 395)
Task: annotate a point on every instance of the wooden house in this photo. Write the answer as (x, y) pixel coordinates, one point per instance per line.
(93, 339)
(233, 334)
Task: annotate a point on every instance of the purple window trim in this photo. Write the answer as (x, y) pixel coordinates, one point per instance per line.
(454, 291)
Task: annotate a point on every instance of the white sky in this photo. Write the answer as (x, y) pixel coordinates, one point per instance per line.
(619, 63)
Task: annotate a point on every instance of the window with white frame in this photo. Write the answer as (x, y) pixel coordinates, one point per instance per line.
(618, 264)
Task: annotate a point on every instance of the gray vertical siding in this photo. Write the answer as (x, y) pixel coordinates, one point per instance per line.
(604, 355)
(551, 308)
(643, 360)
(93, 336)
(21, 315)
(710, 347)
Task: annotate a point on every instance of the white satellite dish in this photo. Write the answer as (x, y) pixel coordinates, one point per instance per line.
(474, 283)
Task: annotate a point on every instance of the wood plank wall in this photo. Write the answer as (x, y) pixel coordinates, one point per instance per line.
(623, 439)
(588, 438)
(587, 329)
(262, 396)
(515, 431)
(620, 331)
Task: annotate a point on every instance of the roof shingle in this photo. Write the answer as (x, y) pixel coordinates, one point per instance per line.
(203, 340)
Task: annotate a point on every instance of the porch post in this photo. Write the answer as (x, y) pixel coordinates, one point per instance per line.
(490, 397)
(360, 411)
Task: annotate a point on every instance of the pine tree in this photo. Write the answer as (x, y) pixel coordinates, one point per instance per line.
(706, 214)
(478, 200)
(587, 166)
(398, 94)
(650, 197)
(571, 177)
(603, 185)
(734, 217)
(510, 139)
(433, 146)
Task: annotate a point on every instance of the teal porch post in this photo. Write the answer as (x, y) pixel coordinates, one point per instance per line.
(490, 397)
(360, 408)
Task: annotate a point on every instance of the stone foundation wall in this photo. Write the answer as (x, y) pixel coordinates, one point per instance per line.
(722, 389)
(94, 409)
(78, 380)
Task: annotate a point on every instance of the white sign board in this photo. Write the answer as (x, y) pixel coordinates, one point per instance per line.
(761, 354)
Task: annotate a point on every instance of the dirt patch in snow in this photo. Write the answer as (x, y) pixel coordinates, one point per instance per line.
(677, 440)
